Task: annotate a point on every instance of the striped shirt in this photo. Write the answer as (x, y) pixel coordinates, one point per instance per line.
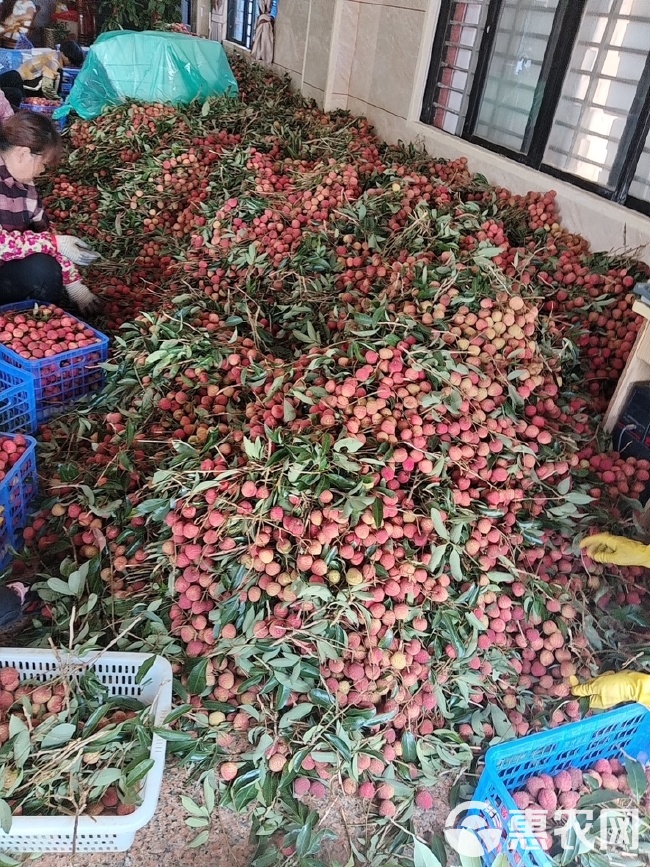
(20, 205)
(24, 225)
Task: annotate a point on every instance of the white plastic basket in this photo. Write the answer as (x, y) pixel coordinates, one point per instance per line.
(117, 671)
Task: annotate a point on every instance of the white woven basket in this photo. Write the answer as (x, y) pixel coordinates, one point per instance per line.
(117, 671)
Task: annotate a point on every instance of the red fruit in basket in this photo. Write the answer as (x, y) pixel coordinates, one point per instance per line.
(547, 800)
(609, 781)
(111, 798)
(569, 800)
(603, 766)
(616, 766)
(535, 785)
(522, 800)
(576, 778)
(563, 781)
(9, 678)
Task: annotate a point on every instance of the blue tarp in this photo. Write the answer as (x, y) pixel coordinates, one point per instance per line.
(148, 67)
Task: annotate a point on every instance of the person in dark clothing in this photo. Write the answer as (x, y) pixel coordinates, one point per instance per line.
(71, 54)
(11, 85)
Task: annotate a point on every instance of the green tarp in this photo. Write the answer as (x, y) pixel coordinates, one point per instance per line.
(148, 67)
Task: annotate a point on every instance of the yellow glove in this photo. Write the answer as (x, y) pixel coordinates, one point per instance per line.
(606, 548)
(612, 689)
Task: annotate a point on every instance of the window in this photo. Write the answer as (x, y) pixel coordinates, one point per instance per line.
(242, 15)
(560, 85)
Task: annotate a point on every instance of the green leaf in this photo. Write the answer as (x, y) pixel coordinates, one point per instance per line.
(103, 778)
(378, 512)
(579, 499)
(139, 772)
(409, 753)
(350, 444)
(244, 789)
(488, 251)
(438, 524)
(194, 822)
(77, 580)
(437, 556)
(193, 808)
(144, 669)
(636, 777)
(200, 840)
(21, 748)
(289, 411)
(600, 796)
(321, 698)
(95, 718)
(17, 725)
(197, 681)
(59, 735)
(295, 713)
(455, 565)
(5, 816)
(439, 850)
(209, 794)
(423, 856)
(60, 587)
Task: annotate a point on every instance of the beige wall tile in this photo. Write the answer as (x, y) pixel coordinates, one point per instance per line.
(291, 34)
(314, 93)
(419, 5)
(319, 40)
(365, 52)
(345, 48)
(296, 77)
(385, 60)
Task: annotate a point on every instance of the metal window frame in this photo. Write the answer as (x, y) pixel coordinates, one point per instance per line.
(431, 86)
(249, 7)
(555, 65)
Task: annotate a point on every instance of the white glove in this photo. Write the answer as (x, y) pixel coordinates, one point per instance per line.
(75, 250)
(82, 297)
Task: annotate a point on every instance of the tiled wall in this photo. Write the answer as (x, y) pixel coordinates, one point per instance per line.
(372, 57)
(303, 35)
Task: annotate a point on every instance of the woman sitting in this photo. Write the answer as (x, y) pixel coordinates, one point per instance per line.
(16, 19)
(34, 262)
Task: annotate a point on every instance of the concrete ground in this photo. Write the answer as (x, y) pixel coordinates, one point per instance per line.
(164, 842)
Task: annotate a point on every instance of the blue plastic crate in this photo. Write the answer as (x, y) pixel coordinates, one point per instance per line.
(68, 78)
(17, 400)
(63, 378)
(47, 110)
(11, 59)
(17, 490)
(508, 766)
